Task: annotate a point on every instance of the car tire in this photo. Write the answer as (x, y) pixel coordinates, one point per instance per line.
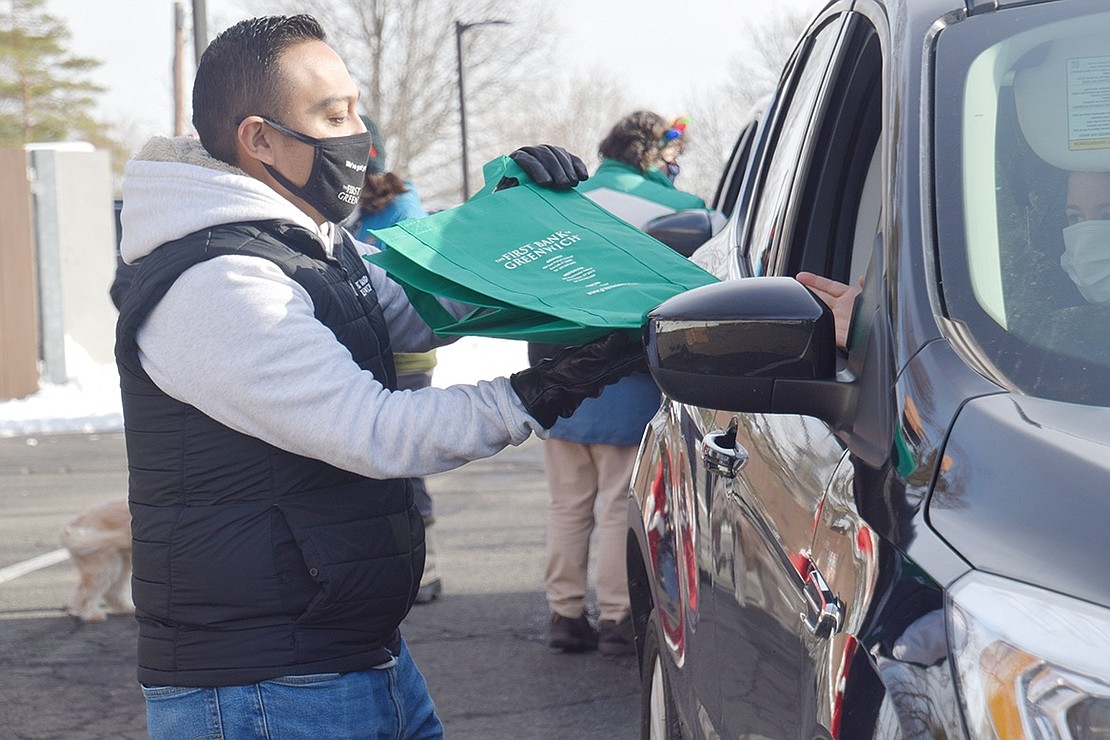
(658, 720)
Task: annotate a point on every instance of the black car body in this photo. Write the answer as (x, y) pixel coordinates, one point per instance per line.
(903, 538)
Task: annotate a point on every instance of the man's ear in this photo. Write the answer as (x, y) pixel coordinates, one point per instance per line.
(254, 141)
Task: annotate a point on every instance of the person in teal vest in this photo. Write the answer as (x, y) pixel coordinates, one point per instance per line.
(639, 162)
(589, 457)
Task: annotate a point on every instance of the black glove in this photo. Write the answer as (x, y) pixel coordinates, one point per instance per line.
(555, 386)
(550, 166)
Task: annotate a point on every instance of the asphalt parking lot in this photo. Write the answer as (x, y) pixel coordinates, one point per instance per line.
(481, 645)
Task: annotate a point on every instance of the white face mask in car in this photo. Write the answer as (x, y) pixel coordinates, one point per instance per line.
(1086, 259)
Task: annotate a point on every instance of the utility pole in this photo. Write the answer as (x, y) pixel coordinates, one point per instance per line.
(200, 29)
(178, 69)
(460, 29)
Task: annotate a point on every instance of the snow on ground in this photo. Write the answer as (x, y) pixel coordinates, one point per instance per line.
(478, 358)
(90, 402)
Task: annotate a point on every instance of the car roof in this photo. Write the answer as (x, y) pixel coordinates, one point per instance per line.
(938, 8)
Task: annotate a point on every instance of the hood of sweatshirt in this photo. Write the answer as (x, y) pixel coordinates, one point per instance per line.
(174, 187)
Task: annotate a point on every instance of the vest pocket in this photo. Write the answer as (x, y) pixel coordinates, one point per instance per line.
(294, 580)
(361, 567)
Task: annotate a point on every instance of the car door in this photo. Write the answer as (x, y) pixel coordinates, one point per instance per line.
(763, 475)
(674, 517)
(732, 178)
(829, 222)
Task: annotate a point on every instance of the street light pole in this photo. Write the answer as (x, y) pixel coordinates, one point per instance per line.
(460, 29)
(200, 29)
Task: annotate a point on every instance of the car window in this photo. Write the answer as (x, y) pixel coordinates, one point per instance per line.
(1024, 214)
(836, 211)
(868, 215)
(790, 120)
(728, 188)
(719, 255)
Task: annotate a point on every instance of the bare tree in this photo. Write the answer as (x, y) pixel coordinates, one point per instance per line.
(46, 92)
(715, 122)
(770, 44)
(718, 115)
(575, 114)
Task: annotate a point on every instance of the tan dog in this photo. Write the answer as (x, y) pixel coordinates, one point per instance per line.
(99, 542)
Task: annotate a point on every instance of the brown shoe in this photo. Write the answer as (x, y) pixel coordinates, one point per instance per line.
(616, 638)
(571, 635)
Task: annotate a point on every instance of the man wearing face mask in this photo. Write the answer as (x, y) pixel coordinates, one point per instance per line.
(277, 546)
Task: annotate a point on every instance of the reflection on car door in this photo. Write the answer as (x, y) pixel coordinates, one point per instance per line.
(765, 520)
(761, 515)
(676, 518)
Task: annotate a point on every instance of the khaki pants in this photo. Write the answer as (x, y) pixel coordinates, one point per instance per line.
(580, 477)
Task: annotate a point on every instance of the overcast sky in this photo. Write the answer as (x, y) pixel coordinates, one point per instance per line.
(665, 49)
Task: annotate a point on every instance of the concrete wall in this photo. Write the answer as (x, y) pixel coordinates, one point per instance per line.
(75, 237)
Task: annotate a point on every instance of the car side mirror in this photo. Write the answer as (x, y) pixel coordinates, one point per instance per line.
(682, 231)
(764, 344)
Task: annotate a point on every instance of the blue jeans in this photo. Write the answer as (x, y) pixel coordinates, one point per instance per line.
(386, 703)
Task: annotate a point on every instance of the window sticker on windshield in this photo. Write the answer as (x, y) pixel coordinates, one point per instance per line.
(1089, 103)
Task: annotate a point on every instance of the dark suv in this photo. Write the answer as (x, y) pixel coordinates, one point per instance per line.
(903, 537)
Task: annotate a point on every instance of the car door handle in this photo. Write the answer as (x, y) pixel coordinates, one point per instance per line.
(721, 455)
(824, 611)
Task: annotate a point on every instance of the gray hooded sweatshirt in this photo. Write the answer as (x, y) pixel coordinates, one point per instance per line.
(237, 339)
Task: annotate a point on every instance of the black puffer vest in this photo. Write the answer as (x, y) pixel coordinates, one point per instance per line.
(251, 562)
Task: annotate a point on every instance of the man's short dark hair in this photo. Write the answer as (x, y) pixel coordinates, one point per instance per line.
(238, 76)
(635, 139)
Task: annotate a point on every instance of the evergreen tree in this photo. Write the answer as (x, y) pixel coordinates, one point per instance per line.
(45, 92)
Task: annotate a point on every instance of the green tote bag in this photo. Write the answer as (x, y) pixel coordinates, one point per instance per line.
(536, 264)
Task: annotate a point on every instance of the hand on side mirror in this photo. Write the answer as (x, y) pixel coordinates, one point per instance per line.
(839, 297)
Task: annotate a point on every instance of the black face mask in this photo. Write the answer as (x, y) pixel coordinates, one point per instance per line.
(337, 172)
(672, 170)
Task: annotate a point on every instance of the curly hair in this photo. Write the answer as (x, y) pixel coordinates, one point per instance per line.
(379, 189)
(239, 76)
(635, 139)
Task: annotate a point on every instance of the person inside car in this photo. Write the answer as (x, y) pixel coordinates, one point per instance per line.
(1086, 257)
(1057, 128)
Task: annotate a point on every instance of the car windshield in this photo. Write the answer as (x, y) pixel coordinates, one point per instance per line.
(1022, 183)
